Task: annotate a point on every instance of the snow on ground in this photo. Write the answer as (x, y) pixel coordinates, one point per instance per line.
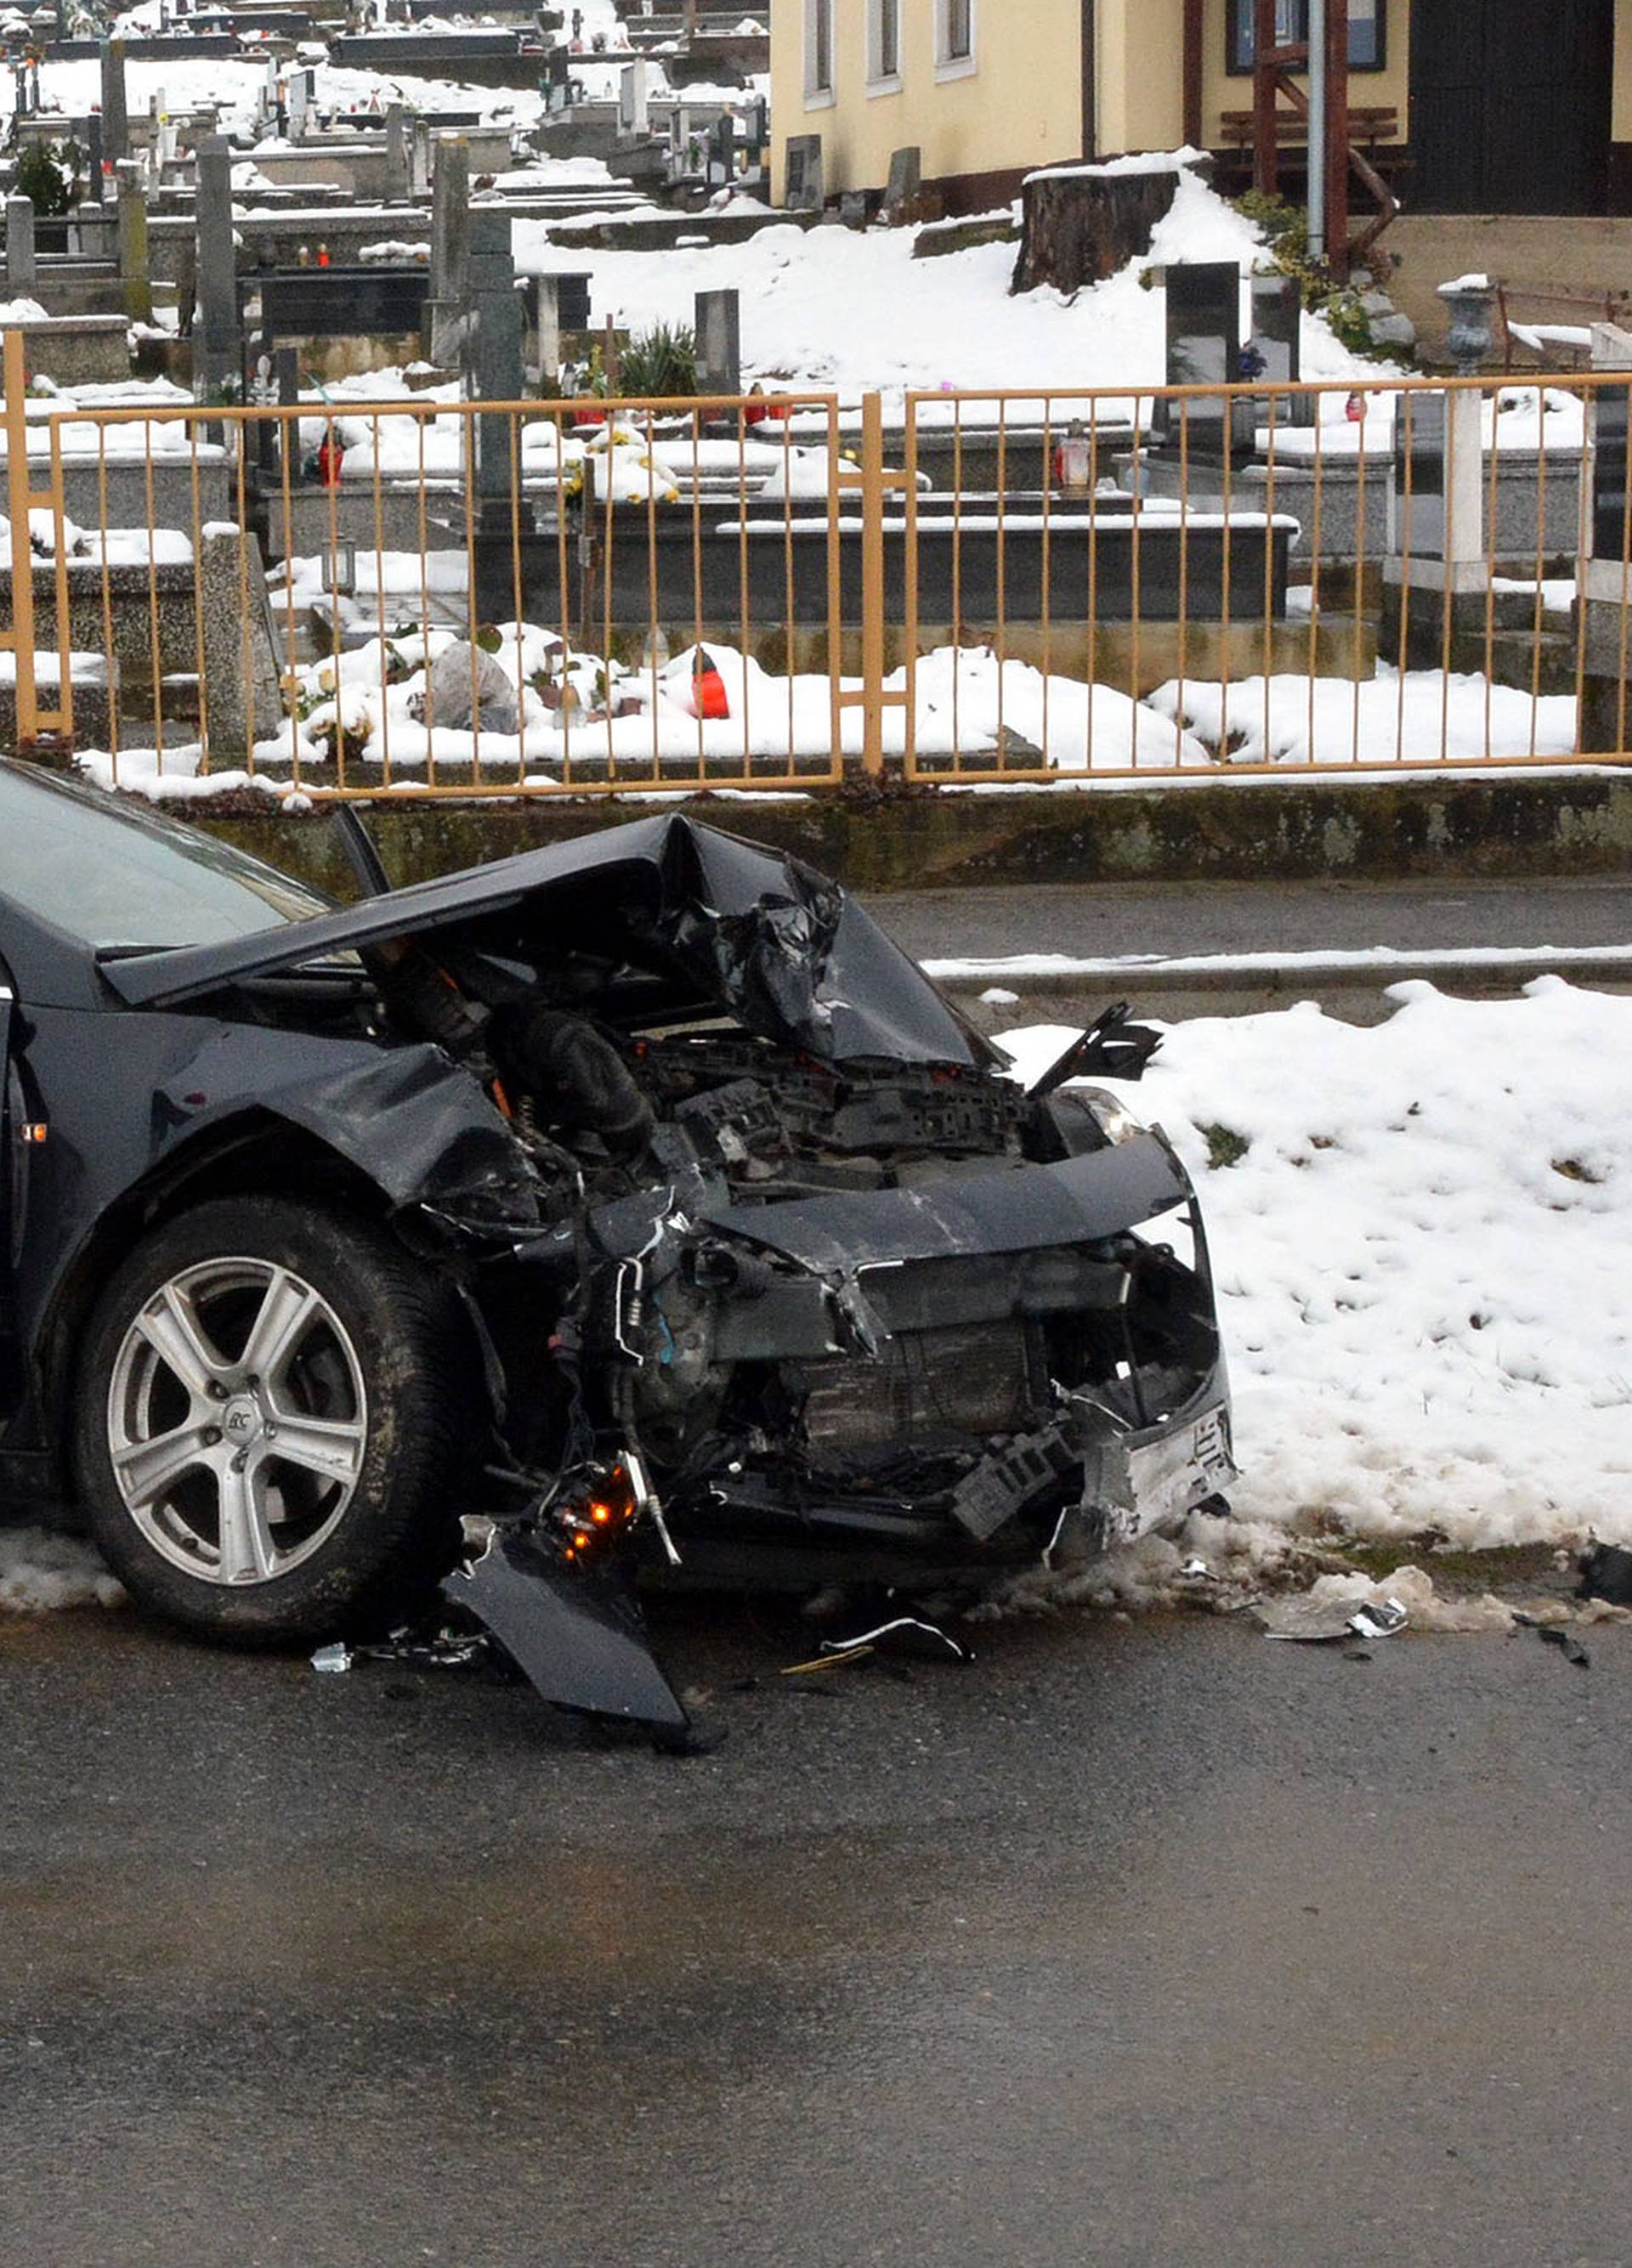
(833, 308)
(1421, 1236)
(39, 1571)
(1423, 715)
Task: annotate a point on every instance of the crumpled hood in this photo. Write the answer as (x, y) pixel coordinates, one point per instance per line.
(786, 951)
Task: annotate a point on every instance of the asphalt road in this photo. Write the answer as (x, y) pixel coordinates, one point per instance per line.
(1133, 1944)
(1095, 919)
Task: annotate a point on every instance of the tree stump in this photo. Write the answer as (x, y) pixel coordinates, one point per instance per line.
(1080, 223)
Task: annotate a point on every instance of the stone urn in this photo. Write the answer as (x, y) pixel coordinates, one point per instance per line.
(1471, 304)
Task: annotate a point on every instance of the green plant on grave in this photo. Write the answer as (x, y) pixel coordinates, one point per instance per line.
(49, 174)
(1286, 239)
(659, 365)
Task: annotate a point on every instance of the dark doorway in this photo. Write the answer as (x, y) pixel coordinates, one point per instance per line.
(1510, 105)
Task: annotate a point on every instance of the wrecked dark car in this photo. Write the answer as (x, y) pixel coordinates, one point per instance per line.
(628, 1207)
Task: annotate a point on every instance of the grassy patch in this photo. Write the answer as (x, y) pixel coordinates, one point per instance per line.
(1224, 1146)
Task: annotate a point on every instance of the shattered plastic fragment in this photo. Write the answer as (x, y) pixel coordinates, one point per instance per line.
(1309, 1620)
(1380, 1619)
(334, 1660)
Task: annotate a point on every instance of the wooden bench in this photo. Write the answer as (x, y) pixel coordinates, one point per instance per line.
(1368, 128)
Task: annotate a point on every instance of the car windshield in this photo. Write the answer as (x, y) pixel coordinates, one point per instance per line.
(131, 880)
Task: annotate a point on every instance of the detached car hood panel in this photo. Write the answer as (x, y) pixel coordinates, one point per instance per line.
(758, 933)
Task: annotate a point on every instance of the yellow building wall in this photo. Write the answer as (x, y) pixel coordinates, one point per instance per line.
(1140, 75)
(1022, 107)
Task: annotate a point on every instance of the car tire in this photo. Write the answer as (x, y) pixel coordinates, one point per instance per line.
(273, 1421)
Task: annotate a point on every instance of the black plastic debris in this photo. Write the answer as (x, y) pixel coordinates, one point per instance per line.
(576, 1633)
(1606, 1572)
(1567, 1642)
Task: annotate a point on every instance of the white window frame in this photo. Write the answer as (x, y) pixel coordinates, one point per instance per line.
(820, 95)
(884, 75)
(948, 65)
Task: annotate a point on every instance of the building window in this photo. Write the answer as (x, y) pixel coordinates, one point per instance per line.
(819, 52)
(1368, 31)
(883, 45)
(954, 37)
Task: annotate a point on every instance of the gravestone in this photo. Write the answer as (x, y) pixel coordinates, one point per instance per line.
(721, 160)
(115, 120)
(240, 706)
(1277, 339)
(802, 189)
(135, 276)
(22, 271)
(719, 343)
(217, 347)
(397, 185)
(1204, 348)
(93, 156)
(493, 353)
(633, 106)
(905, 187)
(1435, 577)
(573, 301)
(298, 103)
(447, 308)
(1603, 577)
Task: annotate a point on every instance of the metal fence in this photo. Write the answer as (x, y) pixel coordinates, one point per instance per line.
(375, 597)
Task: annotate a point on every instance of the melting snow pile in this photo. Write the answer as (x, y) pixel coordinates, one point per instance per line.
(1422, 1234)
(39, 1571)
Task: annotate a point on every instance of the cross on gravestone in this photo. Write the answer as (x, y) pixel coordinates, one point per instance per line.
(134, 278)
(719, 343)
(447, 308)
(22, 271)
(217, 347)
(541, 305)
(116, 120)
(1203, 348)
(904, 187)
(396, 181)
(802, 188)
(633, 105)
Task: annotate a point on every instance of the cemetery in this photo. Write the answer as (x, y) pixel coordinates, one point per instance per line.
(427, 337)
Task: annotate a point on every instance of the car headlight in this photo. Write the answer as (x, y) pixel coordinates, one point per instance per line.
(1115, 1121)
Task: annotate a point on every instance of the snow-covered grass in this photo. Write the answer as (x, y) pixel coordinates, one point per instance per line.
(831, 308)
(1422, 1234)
(1424, 716)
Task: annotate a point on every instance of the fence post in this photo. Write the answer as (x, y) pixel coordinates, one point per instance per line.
(21, 637)
(872, 585)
